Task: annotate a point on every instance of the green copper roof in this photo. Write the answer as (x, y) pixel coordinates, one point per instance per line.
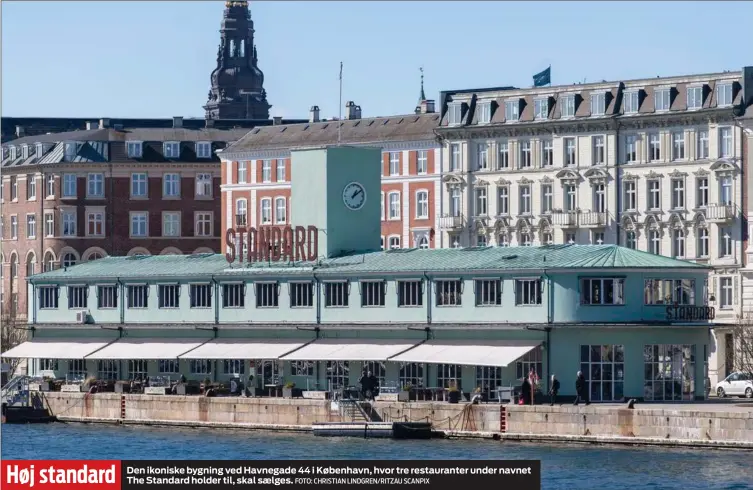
(478, 259)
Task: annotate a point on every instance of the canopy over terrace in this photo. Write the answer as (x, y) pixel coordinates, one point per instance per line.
(245, 349)
(54, 349)
(496, 353)
(146, 349)
(350, 350)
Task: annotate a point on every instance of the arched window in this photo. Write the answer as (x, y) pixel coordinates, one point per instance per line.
(49, 262)
(423, 243)
(31, 264)
(95, 256)
(394, 242)
(68, 260)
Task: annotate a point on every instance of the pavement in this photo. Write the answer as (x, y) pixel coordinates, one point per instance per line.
(712, 405)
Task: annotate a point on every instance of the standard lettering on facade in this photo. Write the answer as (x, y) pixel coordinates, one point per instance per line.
(273, 244)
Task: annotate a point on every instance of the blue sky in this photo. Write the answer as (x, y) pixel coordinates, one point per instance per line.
(153, 59)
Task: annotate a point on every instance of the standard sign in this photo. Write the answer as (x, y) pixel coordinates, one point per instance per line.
(273, 244)
(679, 313)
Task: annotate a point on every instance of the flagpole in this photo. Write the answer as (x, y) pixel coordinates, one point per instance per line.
(340, 117)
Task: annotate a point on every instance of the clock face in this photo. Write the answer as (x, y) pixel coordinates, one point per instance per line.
(354, 196)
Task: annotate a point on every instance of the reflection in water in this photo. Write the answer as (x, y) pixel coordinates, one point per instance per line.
(564, 467)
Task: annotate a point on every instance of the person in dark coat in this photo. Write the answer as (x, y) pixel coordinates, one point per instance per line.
(366, 384)
(374, 382)
(554, 388)
(525, 389)
(581, 390)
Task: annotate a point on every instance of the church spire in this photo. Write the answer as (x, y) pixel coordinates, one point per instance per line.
(422, 97)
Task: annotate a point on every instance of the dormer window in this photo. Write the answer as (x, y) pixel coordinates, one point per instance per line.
(541, 108)
(484, 112)
(171, 149)
(724, 94)
(203, 149)
(455, 113)
(568, 106)
(598, 104)
(25, 151)
(40, 150)
(695, 97)
(134, 149)
(661, 99)
(630, 102)
(13, 153)
(512, 110)
(71, 149)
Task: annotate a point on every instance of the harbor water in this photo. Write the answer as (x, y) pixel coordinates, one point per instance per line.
(563, 466)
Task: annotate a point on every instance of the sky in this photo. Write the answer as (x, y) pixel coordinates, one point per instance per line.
(154, 59)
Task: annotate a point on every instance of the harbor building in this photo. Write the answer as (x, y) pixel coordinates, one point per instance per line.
(317, 302)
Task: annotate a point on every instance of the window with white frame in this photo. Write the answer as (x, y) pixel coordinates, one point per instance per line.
(725, 191)
(455, 113)
(68, 222)
(372, 293)
(171, 185)
(631, 148)
(725, 293)
(171, 223)
(598, 104)
(669, 292)
(525, 154)
(541, 108)
(702, 246)
(481, 207)
(568, 106)
(528, 292)
(630, 102)
(725, 142)
(304, 368)
(703, 144)
(68, 260)
(525, 199)
(455, 201)
(547, 198)
(77, 297)
(654, 242)
(203, 224)
(547, 153)
(654, 194)
(233, 295)
(570, 238)
(654, 147)
(168, 366)
(134, 148)
(481, 240)
(301, 294)
(597, 158)
(266, 170)
(547, 239)
(108, 370)
(503, 155)
(484, 112)
(449, 376)
(139, 224)
(603, 367)
(336, 294)
(203, 149)
(95, 223)
(281, 210)
(242, 171)
(168, 295)
(411, 374)
(570, 156)
(95, 185)
(525, 239)
(233, 367)
(488, 292)
(200, 366)
(394, 163)
(50, 186)
(280, 170)
(602, 291)
(423, 242)
(482, 156)
(76, 369)
(267, 294)
(394, 242)
(31, 187)
(107, 296)
(678, 193)
(14, 188)
(503, 240)
(678, 243)
(241, 212)
(139, 184)
(597, 237)
(422, 205)
(31, 226)
(725, 242)
(69, 186)
(661, 99)
(137, 368)
(669, 372)
(724, 94)
(449, 292)
(695, 97)
(382, 210)
(600, 199)
(512, 110)
(266, 211)
(49, 225)
(171, 149)
(503, 200)
(394, 203)
(678, 145)
(422, 162)
(48, 297)
(571, 202)
(630, 201)
(630, 240)
(203, 185)
(454, 157)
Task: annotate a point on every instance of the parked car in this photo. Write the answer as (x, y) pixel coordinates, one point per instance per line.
(736, 384)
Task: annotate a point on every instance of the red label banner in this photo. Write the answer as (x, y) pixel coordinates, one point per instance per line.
(59, 475)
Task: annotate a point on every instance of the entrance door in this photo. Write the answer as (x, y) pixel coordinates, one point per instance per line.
(271, 372)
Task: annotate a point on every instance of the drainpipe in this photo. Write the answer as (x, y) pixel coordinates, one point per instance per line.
(618, 182)
(549, 319)
(441, 191)
(121, 290)
(216, 289)
(41, 230)
(428, 299)
(33, 302)
(318, 302)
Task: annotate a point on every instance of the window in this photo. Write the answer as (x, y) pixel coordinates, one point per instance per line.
(336, 294)
(488, 292)
(654, 147)
(394, 242)
(95, 223)
(241, 210)
(31, 226)
(630, 200)
(725, 142)
(77, 296)
(568, 106)
(600, 201)
(139, 185)
(169, 295)
(547, 153)
(168, 366)
(724, 94)
(422, 162)
(597, 237)
(233, 367)
(455, 205)
(454, 157)
(528, 292)
(678, 243)
(702, 249)
(503, 200)
(394, 163)
(449, 375)
(200, 366)
(171, 223)
(525, 199)
(304, 368)
(725, 293)
(512, 108)
(301, 294)
(280, 170)
(449, 292)
(503, 157)
(394, 202)
(654, 195)
(266, 211)
(410, 293)
(530, 361)
(598, 104)
(14, 227)
(372, 293)
(481, 208)
(76, 369)
(242, 172)
(203, 149)
(603, 366)
(203, 185)
(95, 185)
(702, 192)
(547, 198)
(139, 224)
(233, 295)
(133, 148)
(171, 149)
(48, 297)
(654, 242)
(266, 171)
(423, 243)
(631, 148)
(525, 154)
(503, 240)
(695, 97)
(630, 102)
(338, 374)
(203, 226)
(281, 212)
(484, 112)
(547, 239)
(602, 291)
(69, 222)
(725, 191)
(678, 145)
(50, 188)
(267, 295)
(69, 186)
(598, 150)
(569, 151)
(31, 187)
(69, 260)
(481, 240)
(659, 292)
(541, 108)
(703, 144)
(482, 159)
(725, 242)
(571, 203)
(107, 297)
(678, 193)
(630, 240)
(49, 225)
(455, 113)
(108, 370)
(570, 238)
(13, 188)
(422, 205)
(171, 185)
(661, 99)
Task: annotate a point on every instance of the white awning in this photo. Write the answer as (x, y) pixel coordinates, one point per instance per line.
(468, 353)
(243, 349)
(53, 349)
(350, 350)
(153, 349)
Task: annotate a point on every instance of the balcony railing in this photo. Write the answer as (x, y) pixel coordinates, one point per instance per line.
(448, 222)
(720, 212)
(564, 219)
(593, 218)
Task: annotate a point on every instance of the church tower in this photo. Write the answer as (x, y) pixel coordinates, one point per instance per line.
(237, 90)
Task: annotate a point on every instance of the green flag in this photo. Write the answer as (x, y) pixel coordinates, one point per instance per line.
(543, 78)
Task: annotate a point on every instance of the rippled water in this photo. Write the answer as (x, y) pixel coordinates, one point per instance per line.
(563, 467)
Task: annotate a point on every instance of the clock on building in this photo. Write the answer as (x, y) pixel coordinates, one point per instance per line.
(354, 196)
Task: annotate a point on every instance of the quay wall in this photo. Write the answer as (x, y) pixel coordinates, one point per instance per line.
(567, 423)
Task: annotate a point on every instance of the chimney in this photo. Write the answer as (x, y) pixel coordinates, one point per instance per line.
(20, 132)
(104, 123)
(177, 122)
(91, 125)
(427, 107)
(352, 111)
(314, 114)
(276, 120)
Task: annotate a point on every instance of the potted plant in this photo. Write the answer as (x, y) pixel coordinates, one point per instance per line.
(453, 393)
(287, 390)
(404, 394)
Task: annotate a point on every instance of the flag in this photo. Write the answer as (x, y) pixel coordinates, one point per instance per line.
(543, 78)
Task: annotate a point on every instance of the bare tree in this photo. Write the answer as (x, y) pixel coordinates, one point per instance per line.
(11, 336)
(742, 334)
